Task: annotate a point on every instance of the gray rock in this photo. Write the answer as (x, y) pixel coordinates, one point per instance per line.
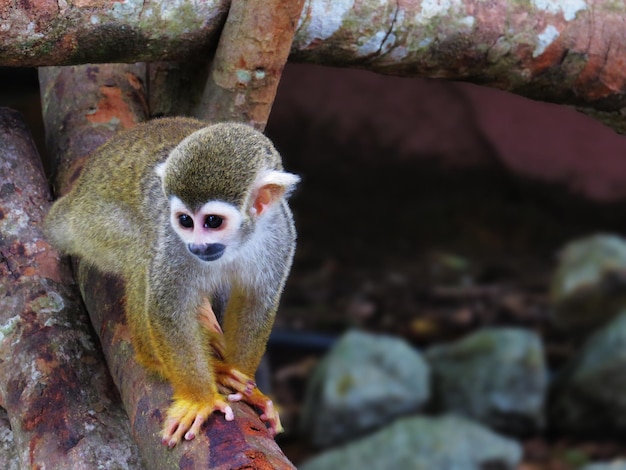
(363, 382)
(420, 443)
(589, 395)
(615, 465)
(589, 285)
(497, 376)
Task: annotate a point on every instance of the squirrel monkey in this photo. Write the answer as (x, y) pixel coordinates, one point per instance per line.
(188, 214)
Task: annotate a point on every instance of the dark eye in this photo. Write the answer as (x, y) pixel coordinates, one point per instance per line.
(213, 221)
(185, 221)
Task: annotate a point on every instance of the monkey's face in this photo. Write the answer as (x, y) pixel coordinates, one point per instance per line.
(209, 231)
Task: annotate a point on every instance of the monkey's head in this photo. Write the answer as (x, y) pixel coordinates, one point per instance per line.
(220, 181)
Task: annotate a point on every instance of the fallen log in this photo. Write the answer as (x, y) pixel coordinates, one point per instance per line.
(62, 406)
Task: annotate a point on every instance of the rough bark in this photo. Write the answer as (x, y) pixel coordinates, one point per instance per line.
(249, 60)
(565, 52)
(51, 32)
(83, 107)
(62, 406)
(243, 443)
(9, 456)
(569, 52)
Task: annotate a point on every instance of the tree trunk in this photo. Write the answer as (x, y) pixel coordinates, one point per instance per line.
(63, 408)
(243, 443)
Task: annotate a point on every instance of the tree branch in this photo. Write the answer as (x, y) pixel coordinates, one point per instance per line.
(84, 107)
(552, 51)
(249, 61)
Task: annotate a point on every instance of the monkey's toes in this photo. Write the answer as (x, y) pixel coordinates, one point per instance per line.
(268, 412)
(272, 418)
(186, 417)
(234, 379)
(246, 390)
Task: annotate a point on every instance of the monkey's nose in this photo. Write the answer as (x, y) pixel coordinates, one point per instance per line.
(207, 251)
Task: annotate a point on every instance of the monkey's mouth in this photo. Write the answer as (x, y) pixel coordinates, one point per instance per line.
(207, 251)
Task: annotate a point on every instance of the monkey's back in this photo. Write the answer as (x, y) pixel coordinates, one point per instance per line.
(121, 168)
(107, 217)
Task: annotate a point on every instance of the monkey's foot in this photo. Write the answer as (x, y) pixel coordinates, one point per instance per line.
(186, 417)
(246, 390)
(269, 413)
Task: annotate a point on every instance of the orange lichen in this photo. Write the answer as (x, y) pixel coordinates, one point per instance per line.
(112, 106)
(551, 57)
(600, 78)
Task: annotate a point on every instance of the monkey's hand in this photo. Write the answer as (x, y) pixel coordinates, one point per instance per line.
(246, 390)
(186, 417)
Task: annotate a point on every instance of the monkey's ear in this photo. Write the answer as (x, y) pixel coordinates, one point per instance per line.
(270, 187)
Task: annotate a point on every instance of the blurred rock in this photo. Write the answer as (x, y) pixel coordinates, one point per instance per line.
(363, 382)
(589, 285)
(420, 443)
(616, 465)
(497, 376)
(589, 395)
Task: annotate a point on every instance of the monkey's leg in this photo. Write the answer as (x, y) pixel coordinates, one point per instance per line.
(141, 335)
(232, 379)
(188, 364)
(227, 376)
(172, 346)
(195, 395)
(190, 370)
(247, 325)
